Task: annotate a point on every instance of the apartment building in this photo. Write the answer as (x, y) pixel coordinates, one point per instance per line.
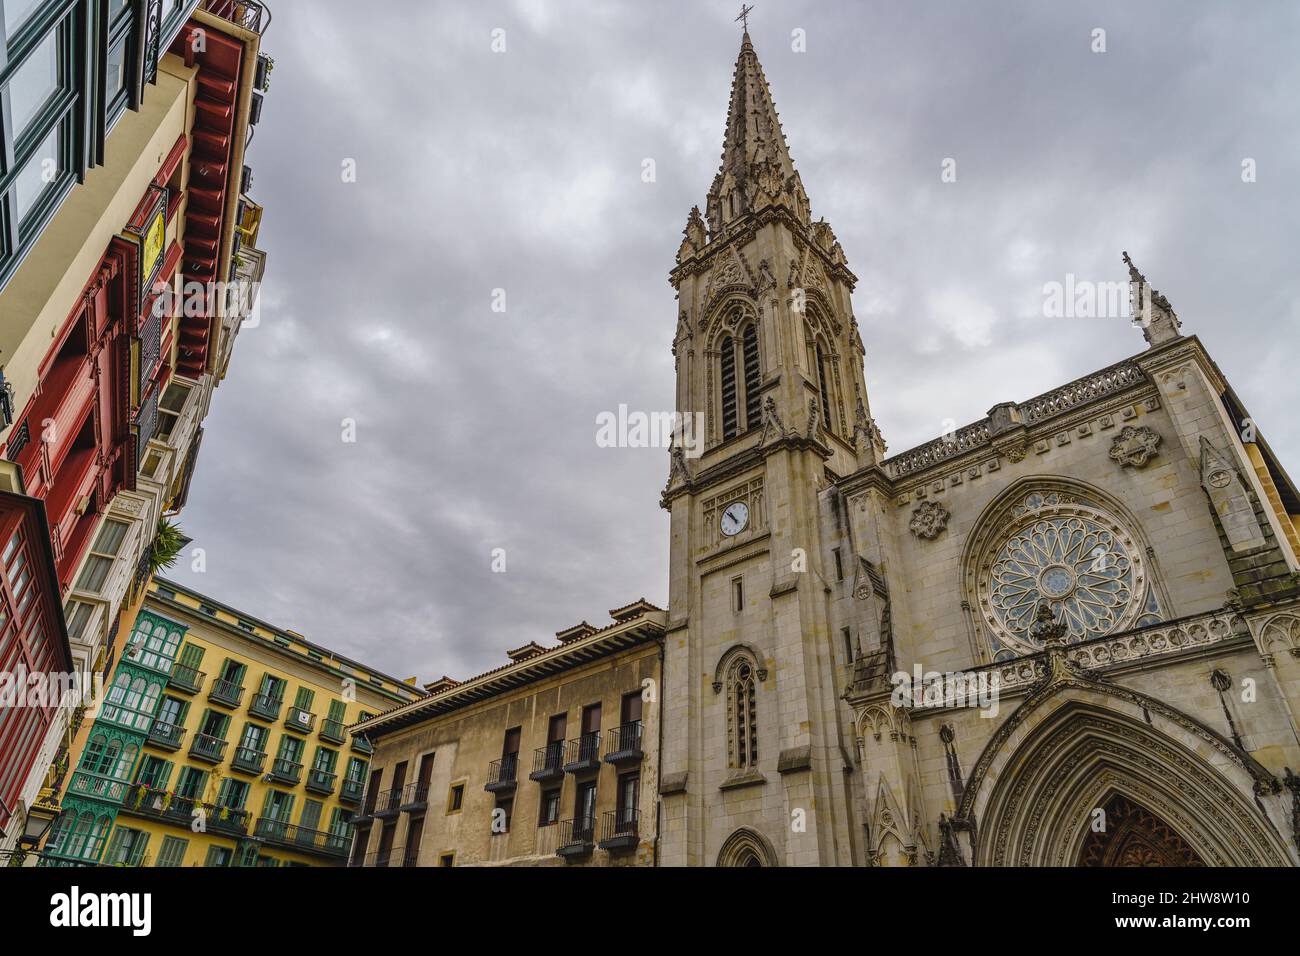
(547, 760)
(105, 373)
(223, 741)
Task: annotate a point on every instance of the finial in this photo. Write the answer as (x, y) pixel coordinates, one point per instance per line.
(744, 17)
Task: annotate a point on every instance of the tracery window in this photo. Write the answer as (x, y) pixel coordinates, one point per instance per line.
(1073, 553)
(742, 713)
(739, 373)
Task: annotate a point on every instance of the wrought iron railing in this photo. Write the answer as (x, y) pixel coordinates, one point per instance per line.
(332, 730)
(581, 752)
(248, 759)
(284, 770)
(502, 773)
(320, 781)
(163, 734)
(415, 795)
(300, 720)
(616, 825)
(548, 761)
(226, 692)
(207, 747)
(186, 678)
(624, 740)
(265, 706)
(294, 837)
(579, 832)
(352, 790)
(250, 15)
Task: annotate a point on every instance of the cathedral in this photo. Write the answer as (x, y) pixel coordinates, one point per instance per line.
(1067, 634)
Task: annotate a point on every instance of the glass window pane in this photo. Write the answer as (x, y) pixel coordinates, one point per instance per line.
(116, 69)
(32, 180)
(34, 83)
(17, 12)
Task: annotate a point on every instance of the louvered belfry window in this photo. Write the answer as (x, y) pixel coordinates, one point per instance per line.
(753, 412)
(729, 422)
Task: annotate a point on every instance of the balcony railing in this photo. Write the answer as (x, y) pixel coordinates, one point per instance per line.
(226, 692)
(620, 829)
(265, 706)
(294, 837)
(250, 15)
(352, 790)
(302, 721)
(361, 745)
(502, 774)
(415, 797)
(411, 857)
(387, 803)
(286, 771)
(582, 753)
(548, 762)
(332, 730)
(577, 837)
(206, 747)
(321, 781)
(183, 677)
(166, 736)
(248, 760)
(623, 744)
(86, 784)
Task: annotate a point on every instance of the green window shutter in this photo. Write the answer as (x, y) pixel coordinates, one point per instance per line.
(337, 710)
(138, 846)
(225, 726)
(184, 711)
(192, 655)
(115, 845)
(310, 819)
(172, 852)
(164, 775)
(304, 698)
(240, 672)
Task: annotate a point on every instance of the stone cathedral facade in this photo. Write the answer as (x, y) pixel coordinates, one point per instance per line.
(1104, 578)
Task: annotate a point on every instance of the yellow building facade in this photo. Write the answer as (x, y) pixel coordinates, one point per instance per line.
(222, 741)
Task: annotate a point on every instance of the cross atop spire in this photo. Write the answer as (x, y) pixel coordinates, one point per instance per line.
(744, 16)
(756, 166)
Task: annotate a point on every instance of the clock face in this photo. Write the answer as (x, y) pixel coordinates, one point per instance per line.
(734, 518)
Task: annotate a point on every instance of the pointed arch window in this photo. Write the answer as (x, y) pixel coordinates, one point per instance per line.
(729, 410)
(823, 378)
(753, 372)
(742, 713)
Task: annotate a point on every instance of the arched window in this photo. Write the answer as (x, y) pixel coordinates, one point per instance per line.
(134, 695)
(728, 388)
(753, 372)
(97, 836)
(125, 762)
(823, 380)
(742, 713)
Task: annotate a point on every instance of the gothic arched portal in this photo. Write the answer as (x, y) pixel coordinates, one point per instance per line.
(1169, 787)
(1134, 836)
(747, 847)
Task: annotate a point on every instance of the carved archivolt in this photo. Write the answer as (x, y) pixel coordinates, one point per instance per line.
(1281, 634)
(747, 847)
(1076, 743)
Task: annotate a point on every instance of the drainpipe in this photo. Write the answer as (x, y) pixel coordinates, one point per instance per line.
(659, 762)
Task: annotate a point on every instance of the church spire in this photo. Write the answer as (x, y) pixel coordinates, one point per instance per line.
(756, 169)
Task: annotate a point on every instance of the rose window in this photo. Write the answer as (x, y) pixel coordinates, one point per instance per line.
(1074, 557)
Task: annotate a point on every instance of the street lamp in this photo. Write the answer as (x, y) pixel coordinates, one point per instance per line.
(40, 817)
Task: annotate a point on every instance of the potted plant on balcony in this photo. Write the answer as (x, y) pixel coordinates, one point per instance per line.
(166, 547)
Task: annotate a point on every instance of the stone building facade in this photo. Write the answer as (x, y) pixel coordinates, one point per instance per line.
(551, 759)
(1093, 593)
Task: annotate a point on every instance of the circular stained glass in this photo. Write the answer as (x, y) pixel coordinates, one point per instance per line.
(1073, 562)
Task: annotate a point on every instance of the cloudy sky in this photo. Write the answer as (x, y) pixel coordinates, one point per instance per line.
(521, 170)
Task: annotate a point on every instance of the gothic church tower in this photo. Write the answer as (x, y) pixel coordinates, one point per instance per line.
(756, 753)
